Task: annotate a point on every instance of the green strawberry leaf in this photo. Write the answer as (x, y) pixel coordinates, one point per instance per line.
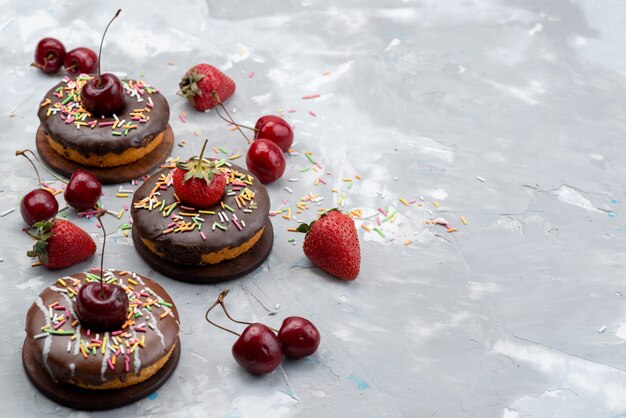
(330, 210)
(304, 227)
(188, 175)
(44, 233)
(198, 167)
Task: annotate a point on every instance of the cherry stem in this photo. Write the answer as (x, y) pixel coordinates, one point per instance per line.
(31, 163)
(199, 166)
(216, 97)
(219, 301)
(102, 40)
(104, 242)
(223, 305)
(23, 152)
(233, 123)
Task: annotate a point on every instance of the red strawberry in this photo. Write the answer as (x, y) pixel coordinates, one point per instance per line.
(199, 183)
(202, 82)
(332, 244)
(61, 244)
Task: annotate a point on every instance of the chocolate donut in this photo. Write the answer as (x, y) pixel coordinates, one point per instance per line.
(185, 235)
(103, 141)
(106, 360)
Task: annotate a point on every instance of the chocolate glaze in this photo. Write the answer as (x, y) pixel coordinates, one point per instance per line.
(89, 370)
(100, 140)
(187, 247)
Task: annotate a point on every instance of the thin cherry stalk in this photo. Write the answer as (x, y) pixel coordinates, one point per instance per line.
(104, 241)
(23, 152)
(218, 301)
(219, 102)
(102, 40)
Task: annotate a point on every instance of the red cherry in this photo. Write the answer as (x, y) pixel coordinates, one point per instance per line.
(101, 307)
(275, 129)
(298, 337)
(83, 191)
(266, 160)
(81, 61)
(38, 205)
(103, 95)
(257, 349)
(49, 55)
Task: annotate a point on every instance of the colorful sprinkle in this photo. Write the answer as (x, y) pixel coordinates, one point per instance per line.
(379, 231)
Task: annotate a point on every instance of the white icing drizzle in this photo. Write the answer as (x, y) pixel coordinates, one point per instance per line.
(136, 359)
(155, 328)
(105, 357)
(48, 342)
(70, 306)
(137, 278)
(72, 368)
(78, 340)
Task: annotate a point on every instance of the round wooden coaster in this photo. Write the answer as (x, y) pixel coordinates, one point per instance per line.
(94, 400)
(107, 175)
(208, 274)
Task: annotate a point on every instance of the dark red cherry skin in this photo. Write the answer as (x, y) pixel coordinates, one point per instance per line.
(103, 95)
(38, 205)
(298, 337)
(104, 311)
(81, 61)
(258, 350)
(275, 129)
(265, 160)
(49, 55)
(82, 191)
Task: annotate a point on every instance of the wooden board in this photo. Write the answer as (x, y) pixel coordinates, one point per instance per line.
(214, 273)
(107, 175)
(78, 398)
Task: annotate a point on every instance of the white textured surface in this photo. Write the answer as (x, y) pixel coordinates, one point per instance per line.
(509, 113)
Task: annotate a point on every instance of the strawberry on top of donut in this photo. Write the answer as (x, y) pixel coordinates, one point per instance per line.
(199, 183)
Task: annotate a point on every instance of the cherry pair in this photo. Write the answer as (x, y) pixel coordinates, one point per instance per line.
(81, 192)
(50, 56)
(272, 137)
(259, 349)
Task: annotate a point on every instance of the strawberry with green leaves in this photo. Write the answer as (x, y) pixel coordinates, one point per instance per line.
(199, 183)
(332, 244)
(205, 86)
(60, 244)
